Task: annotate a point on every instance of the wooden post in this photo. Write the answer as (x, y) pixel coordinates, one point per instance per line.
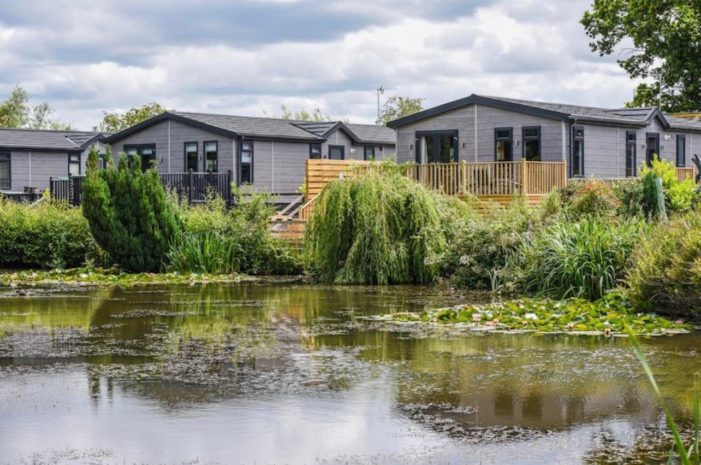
(306, 181)
(463, 177)
(524, 177)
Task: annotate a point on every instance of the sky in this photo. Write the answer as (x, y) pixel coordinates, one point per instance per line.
(249, 57)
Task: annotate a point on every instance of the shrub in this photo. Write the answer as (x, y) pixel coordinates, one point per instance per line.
(666, 271)
(47, 235)
(679, 195)
(129, 213)
(591, 197)
(217, 240)
(378, 228)
(581, 259)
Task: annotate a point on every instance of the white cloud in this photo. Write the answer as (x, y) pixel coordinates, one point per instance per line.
(115, 55)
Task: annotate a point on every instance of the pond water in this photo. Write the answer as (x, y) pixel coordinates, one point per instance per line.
(292, 374)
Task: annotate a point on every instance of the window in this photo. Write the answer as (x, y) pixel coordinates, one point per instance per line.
(652, 142)
(191, 156)
(337, 152)
(681, 151)
(531, 143)
(437, 147)
(246, 163)
(315, 151)
(368, 152)
(503, 144)
(211, 157)
(147, 153)
(577, 165)
(631, 148)
(5, 171)
(73, 164)
(101, 161)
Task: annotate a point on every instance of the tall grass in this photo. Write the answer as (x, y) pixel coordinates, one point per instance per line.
(581, 259)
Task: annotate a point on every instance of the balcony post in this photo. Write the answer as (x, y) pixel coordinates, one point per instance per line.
(524, 177)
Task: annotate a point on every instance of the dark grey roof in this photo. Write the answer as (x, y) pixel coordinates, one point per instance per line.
(41, 139)
(632, 117)
(268, 128)
(373, 133)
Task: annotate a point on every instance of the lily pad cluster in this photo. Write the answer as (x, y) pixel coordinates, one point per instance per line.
(610, 315)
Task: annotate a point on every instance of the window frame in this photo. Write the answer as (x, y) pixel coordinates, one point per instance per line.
(204, 156)
(138, 147)
(367, 148)
(197, 153)
(343, 151)
(240, 161)
(453, 133)
(682, 138)
(72, 162)
(498, 139)
(580, 139)
(6, 156)
(631, 143)
(525, 138)
(311, 151)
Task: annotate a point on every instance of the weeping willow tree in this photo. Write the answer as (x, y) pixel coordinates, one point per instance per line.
(378, 228)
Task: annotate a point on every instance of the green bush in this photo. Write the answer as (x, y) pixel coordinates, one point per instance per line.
(379, 228)
(129, 213)
(581, 259)
(666, 271)
(217, 240)
(47, 235)
(679, 195)
(590, 197)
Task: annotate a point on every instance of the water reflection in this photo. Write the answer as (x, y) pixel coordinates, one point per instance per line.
(189, 349)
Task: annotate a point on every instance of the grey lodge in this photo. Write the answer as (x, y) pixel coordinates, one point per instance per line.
(594, 142)
(267, 153)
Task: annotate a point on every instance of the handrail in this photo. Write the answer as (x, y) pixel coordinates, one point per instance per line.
(304, 212)
(284, 214)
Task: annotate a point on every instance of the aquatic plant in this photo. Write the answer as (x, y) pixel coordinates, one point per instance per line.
(612, 314)
(581, 259)
(129, 213)
(665, 274)
(378, 228)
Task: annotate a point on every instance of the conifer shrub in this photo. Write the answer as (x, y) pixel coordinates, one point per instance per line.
(665, 275)
(379, 228)
(129, 213)
(46, 235)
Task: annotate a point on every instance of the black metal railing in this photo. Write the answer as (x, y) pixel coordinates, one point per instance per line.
(195, 187)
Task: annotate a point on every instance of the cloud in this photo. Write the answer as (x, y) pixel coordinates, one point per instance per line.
(249, 57)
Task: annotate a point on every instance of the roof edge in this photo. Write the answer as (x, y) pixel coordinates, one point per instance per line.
(165, 116)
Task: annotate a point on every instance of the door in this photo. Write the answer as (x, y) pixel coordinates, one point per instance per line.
(437, 147)
(337, 152)
(652, 147)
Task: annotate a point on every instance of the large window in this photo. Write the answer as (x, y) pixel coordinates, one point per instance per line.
(211, 156)
(577, 164)
(191, 156)
(315, 151)
(246, 163)
(531, 143)
(652, 150)
(337, 152)
(73, 164)
(503, 144)
(681, 151)
(368, 152)
(147, 153)
(5, 171)
(631, 156)
(437, 147)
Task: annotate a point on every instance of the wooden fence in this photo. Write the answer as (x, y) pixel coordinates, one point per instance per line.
(321, 172)
(194, 187)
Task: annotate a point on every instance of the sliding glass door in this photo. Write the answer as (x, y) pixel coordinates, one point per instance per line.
(436, 147)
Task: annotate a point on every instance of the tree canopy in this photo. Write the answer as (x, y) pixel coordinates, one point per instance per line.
(115, 121)
(16, 112)
(666, 47)
(399, 107)
(315, 114)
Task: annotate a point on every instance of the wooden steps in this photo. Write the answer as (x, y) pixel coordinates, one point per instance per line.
(291, 230)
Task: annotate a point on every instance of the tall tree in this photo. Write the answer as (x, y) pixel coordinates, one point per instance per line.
(399, 107)
(115, 121)
(666, 38)
(16, 112)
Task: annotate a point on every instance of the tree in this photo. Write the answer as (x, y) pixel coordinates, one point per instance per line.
(303, 115)
(399, 107)
(666, 37)
(129, 213)
(15, 112)
(115, 121)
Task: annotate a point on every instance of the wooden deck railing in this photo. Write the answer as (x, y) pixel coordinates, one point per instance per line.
(686, 173)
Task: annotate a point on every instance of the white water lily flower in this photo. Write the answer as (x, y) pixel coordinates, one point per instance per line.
(530, 316)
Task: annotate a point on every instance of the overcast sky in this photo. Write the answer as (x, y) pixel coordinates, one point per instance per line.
(249, 57)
